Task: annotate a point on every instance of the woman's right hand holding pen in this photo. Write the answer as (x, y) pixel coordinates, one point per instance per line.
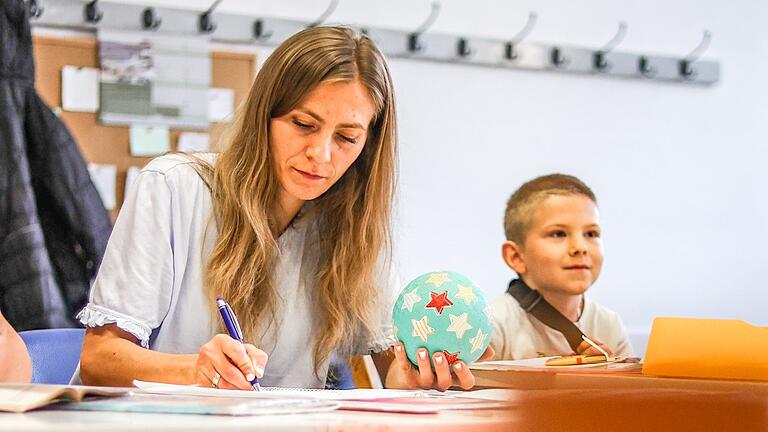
(235, 363)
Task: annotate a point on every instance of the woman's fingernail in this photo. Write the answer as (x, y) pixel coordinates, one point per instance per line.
(457, 366)
(250, 376)
(438, 359)
(399, 348)
(259, 371)
(422, 355)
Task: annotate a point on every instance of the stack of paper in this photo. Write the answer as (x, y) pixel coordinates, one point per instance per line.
(707, 348)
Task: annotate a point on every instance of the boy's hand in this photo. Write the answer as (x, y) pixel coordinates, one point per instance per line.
(586, 349)
(402, 374)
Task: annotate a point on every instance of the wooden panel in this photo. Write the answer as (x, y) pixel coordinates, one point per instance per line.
(109, 144)
(359, 373)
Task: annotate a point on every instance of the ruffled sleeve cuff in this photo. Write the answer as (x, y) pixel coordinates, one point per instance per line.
(381, 345)
(97, 316)
(382, 341)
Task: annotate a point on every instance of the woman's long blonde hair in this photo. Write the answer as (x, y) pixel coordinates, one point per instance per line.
(352, 218)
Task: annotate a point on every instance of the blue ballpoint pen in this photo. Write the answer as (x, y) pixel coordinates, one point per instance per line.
(233, 328)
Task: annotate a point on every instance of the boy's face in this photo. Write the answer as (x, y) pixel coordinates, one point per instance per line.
(562, 252)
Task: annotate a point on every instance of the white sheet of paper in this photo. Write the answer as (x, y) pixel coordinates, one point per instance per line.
(193, 142)
(149, 140)
(221, 104)
(130, 177)
(79, 89)
(104, 177)
(275, 392)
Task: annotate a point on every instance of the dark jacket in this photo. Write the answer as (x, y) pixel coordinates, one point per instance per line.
(53, 225)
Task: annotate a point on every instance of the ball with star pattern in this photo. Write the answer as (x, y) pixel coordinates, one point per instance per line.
(443, 312)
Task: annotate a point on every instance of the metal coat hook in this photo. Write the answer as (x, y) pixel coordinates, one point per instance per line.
(510, 52)
(205, 22)
(413, 38)
(462, 48)
(598, 60)
(150, 20)
(328, 11)
(686, 64)
(258, 31)
(92, 13)
(557, 58)
(645, 68)
(35, 8)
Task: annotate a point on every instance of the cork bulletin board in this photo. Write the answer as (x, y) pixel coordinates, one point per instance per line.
(109, 144)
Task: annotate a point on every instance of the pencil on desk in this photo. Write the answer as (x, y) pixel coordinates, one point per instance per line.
(575, 360)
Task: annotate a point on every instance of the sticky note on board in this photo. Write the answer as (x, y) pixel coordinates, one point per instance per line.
(79, 89)
(193, 142)
(221, 104)
(149, 140)
(104, 177)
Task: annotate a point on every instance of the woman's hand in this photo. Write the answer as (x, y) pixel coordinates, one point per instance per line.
(402, 374)
(235, 363)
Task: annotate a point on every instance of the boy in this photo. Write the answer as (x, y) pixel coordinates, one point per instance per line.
(553, 244)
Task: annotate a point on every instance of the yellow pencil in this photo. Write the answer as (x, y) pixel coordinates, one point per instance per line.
(575, 360)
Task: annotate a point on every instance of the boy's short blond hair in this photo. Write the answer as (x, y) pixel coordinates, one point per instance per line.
(522, 203)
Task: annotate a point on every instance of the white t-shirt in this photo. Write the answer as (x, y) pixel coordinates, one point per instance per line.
(151, 279)
(519, 335)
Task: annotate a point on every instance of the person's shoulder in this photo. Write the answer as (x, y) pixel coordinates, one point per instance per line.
(505, 308)
(600, 312)
(179, 170)
(172, 162)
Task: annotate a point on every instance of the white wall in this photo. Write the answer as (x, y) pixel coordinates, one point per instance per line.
(679, 171)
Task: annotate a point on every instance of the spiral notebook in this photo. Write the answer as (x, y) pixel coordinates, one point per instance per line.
(276, 392)
(379, 400)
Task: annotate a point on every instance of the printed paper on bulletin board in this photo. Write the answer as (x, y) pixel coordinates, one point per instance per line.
(154, 79)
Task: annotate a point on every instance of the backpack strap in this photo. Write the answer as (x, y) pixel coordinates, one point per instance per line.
(532, 302)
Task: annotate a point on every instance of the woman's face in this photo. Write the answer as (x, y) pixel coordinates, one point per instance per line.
(314, 144)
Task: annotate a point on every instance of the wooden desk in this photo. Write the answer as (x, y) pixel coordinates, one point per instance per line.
(630, 401)
(613, 410)
(624, 410)
(536, 379)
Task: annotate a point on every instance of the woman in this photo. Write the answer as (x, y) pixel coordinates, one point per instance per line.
(289, 224)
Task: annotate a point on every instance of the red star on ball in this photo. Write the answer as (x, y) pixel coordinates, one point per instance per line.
(439, 301)
(451, 358)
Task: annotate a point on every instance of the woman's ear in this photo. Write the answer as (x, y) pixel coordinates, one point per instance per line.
(513, 256)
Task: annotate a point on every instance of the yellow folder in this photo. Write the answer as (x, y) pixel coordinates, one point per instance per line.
(707, 348)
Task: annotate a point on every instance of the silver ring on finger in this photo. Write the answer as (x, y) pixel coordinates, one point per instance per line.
(215, 380)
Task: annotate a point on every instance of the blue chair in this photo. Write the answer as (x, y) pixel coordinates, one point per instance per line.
(339, 375)
(54, 353)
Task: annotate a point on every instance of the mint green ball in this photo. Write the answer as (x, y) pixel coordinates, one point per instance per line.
(443, 312)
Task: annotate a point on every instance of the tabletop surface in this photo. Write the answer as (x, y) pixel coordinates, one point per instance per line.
(530, 409)
(49, 420)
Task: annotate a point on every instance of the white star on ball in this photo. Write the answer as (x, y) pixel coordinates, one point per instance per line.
(478, 341)
(409, 299)
(438, 279)
(465, 293)
(459, 324)
(421, 328)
